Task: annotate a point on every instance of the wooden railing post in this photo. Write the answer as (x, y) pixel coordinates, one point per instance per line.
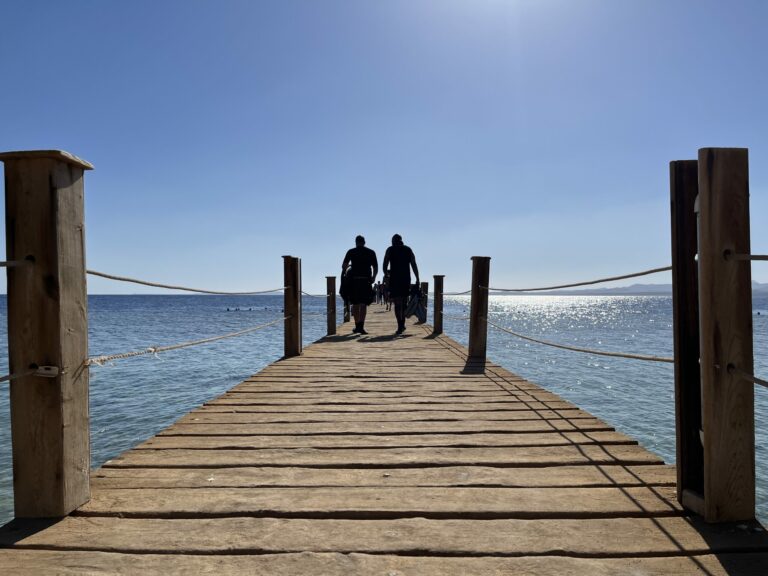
(47, 325)
(478, 321)
(292, 307)
(331, 304)
(683, 178)
(424, 294)
(725, 312)
(437, 320)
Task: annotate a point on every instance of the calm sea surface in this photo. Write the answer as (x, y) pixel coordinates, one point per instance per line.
(133, 399)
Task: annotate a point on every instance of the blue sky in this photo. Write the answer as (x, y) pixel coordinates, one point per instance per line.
(538, 132)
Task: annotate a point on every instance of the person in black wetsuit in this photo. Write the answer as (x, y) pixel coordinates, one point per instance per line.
(363, 270)
(398, 261)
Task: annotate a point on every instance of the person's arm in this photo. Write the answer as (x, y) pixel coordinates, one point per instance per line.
(385, 266)
(375, 267)
(415, 268)
(345, 263)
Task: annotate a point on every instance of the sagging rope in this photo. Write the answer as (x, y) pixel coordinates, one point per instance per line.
(747, 376)
(314, 295)
(34, 370)
(457, 293)
(587, 283)
(184, 288)
(731, 256)
(101, 360)
(10, 377)
(585, 350)
(13, 264)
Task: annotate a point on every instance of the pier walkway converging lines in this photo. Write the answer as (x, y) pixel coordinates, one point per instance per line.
(384, 455)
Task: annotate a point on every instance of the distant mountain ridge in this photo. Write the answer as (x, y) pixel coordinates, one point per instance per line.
(634, 290)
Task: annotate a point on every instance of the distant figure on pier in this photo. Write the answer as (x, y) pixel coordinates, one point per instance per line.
(398, 261)
(363, 267)
(385, 292)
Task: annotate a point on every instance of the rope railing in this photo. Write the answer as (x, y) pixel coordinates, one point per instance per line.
(101, 360)
(14, 263)
(41, 371)
(323, 296)
(585, 350)
(747, 376)
(586, 283)
(729, 255)
(184, 288)
(457, 293)
(11, 377)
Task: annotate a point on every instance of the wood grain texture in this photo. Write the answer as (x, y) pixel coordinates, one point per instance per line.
(76, 563)
(47, 326)
(572, 537)
(264, 476)
(725, 309)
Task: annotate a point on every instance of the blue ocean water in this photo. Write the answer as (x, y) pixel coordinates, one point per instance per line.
(135, 398)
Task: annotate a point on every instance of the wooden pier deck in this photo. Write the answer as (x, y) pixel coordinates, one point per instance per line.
(387, 456)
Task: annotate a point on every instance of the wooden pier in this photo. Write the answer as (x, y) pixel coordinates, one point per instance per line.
(379, 454)
(391, 456)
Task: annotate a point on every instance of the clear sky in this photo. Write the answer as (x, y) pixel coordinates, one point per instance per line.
(538, 132)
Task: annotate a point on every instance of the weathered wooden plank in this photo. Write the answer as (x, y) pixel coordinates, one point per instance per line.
(416, 412)
(362, 388)
(499, 402)
(209, 426)
(76, 563)
(393, 457)
(311, 394)
(573, 476)
(509, 537)
(508, 409)
(383, 441)
(385, 502)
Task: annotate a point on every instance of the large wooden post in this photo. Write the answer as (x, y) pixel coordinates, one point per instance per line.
(331, 305)
(478, 315)
(292, 307)
(47, 325)
(437, 298)
(725, 311)
(683, 178)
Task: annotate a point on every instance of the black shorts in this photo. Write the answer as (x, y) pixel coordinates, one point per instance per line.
(361, 291)
(400, 288)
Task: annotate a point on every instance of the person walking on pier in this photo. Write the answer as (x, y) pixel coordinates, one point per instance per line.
(398, 261)
(363, 267)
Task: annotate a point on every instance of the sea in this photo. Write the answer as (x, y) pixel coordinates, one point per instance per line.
(134, 398)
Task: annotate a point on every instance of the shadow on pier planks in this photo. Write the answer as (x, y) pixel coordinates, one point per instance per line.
(382, 455)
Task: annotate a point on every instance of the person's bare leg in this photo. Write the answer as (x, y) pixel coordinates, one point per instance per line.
(400, 314)
(361, 318)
